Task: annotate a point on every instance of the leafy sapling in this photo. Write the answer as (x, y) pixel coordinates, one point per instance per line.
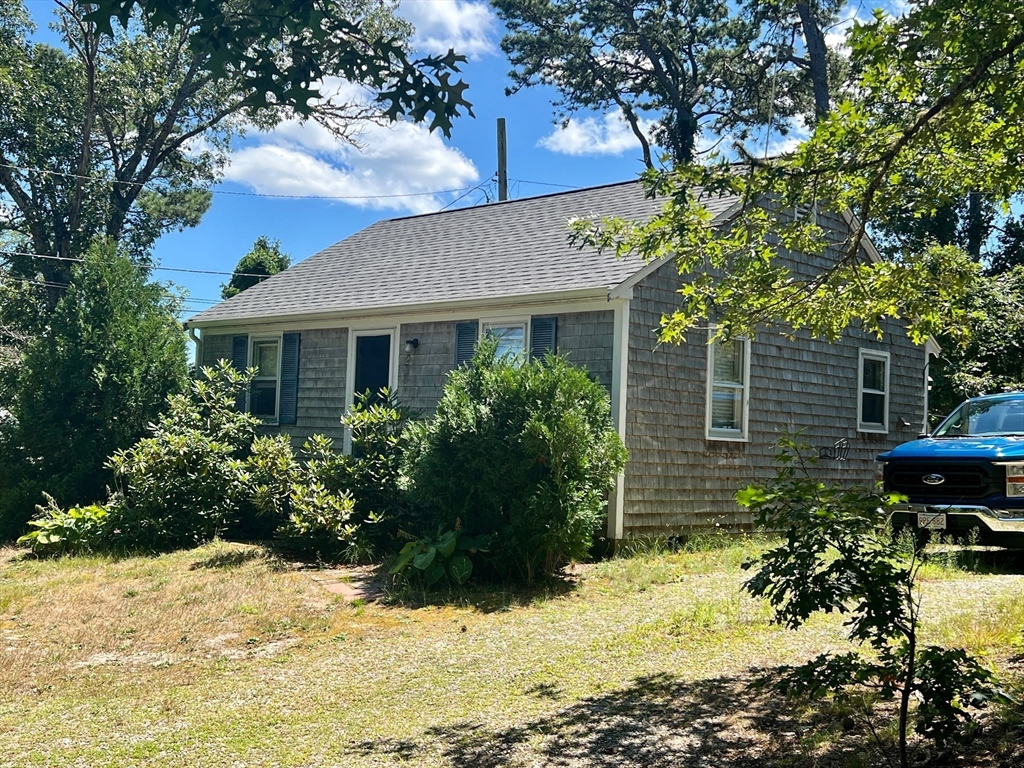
(837, 555)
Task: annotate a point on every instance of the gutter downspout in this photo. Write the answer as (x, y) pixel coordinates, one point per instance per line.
(198, 342)
(931, 349)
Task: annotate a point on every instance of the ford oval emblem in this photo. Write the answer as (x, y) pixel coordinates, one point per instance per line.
(933, 479)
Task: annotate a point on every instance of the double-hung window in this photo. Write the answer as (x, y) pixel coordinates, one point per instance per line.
(511, 338)
(873, 391)
(728, 389)
(265, 357)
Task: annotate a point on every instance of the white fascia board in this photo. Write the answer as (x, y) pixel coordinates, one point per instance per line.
(869, 247)
(586, 300)
(620, 380)
(931, 346)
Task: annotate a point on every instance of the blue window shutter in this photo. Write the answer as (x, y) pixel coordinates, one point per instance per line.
(543, 336)
(465, 341)
(240, 352)
(289, 378)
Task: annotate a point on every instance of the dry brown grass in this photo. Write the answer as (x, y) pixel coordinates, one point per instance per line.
(225, 656)
(159, 613)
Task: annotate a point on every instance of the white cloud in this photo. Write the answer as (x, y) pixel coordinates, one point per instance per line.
(401, 160)
(608, 135)
(468, 27)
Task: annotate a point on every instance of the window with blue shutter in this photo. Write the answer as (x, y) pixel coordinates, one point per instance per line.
(289, 377)
(543, 336)
(465, 341)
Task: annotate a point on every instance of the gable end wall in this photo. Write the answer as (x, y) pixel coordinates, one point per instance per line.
(677, 480)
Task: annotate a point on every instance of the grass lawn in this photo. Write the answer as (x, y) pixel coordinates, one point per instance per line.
(225, 656)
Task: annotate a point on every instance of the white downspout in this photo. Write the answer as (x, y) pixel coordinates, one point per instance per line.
(931, 349)
(199, 345)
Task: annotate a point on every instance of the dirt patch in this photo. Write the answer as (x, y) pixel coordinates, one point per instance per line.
(352, 583)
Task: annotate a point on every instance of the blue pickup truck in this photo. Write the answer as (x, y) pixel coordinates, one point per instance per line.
(968, 473)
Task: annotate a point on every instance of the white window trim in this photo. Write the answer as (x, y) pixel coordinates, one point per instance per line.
(507, 322)
(253, 340)
(730, 435)
(350, 368)
(862, 426)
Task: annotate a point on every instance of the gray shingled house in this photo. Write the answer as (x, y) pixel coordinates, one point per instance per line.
(403, 302)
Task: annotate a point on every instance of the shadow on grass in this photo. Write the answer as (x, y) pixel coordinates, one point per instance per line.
(228, 560)
(658, 720)
(979, 560)
(486, 597)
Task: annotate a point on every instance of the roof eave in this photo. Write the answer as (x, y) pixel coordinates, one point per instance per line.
(453, 307)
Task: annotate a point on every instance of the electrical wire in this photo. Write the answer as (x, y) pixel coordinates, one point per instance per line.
(100, 179)
(545, 184)
(471, 191)
(50, 284)
(162, 269)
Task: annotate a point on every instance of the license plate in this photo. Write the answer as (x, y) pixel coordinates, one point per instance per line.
(932, 520)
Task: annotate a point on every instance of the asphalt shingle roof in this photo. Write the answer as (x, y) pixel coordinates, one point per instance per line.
(502, 249)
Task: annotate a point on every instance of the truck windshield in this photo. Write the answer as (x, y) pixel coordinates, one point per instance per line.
(995, 416)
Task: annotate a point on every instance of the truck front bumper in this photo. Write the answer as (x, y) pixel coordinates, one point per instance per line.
(996, 528)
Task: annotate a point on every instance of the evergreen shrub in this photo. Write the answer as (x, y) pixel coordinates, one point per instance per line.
(522, 451)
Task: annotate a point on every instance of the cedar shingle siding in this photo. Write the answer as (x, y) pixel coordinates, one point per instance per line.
(514, 259)
(420, 382)
(586, 337)
(677, 479)
(321, 398)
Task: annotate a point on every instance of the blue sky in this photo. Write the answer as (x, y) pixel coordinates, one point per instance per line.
(403, 161)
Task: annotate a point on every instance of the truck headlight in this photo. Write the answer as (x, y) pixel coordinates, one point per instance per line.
(1014, 479)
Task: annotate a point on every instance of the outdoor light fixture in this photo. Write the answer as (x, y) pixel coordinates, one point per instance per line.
(410, 345)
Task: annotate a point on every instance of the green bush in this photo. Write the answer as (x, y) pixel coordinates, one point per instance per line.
(91, 377)
(205, 472)
(445, 556)
(372, 476)
(319, 523)
(523, 451)
(66, 532)
(189, 481)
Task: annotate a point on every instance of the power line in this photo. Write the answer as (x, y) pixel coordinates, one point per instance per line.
(40, 283)
(50, 284)
(245, 194)
(545, 184)
(163, 269)
(469, 192)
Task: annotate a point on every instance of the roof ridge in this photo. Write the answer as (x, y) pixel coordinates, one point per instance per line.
(495, 203)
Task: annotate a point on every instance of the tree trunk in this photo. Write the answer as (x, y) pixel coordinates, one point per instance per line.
(815, 42)
(975, 225)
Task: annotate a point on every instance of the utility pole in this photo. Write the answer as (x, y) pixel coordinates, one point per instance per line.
(502, 161)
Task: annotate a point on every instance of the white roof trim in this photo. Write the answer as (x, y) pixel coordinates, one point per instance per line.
(866, 244)
(492, 304)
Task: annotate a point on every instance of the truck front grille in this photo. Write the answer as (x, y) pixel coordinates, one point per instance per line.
(960, 481)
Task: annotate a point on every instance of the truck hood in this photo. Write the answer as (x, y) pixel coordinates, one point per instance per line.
(986, 448)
